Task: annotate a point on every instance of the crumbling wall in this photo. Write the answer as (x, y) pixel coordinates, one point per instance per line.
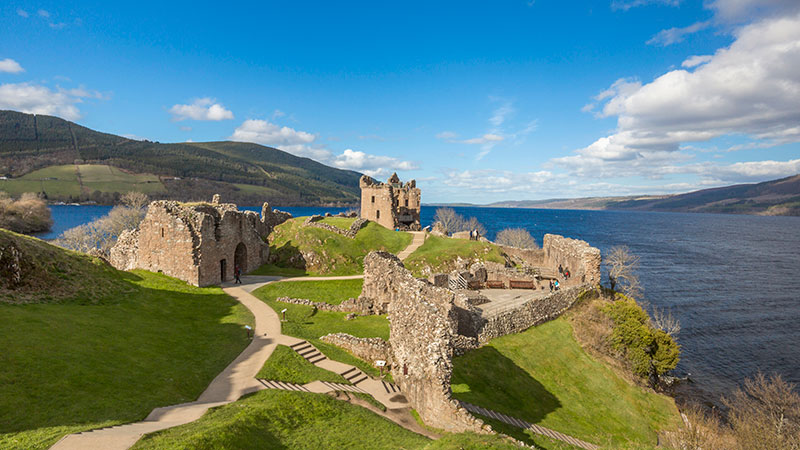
(533, 257)
(423, 325)
(351, 232)
(530, 313)
(123, 254)
(272, 218)
(582, 260)
(392, 204)
(368, 349)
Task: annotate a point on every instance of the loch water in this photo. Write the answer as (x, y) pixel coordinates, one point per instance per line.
(733, 281)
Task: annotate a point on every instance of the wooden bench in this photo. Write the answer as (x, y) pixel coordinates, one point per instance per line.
(521, 284)
(474, 285)
(495, 284)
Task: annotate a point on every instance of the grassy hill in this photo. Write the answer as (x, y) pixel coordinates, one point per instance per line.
(772, 198)
(242, 172)
(102, 347)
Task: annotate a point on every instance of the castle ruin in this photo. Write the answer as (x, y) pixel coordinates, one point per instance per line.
(200, 243)
(393, 204)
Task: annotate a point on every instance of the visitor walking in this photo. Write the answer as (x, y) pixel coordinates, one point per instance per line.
(237, 273)
(560, 270)
(555, 284)
(551, 285)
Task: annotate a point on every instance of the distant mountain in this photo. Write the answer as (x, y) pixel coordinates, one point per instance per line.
(775, 198)
(242, 172)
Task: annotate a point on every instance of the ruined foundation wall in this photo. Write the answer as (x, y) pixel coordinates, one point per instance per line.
(530, 313)
(531, 256)
(582, 260)
(368, 349)
(423, 326)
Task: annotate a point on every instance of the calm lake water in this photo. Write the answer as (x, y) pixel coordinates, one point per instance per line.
(732, 281)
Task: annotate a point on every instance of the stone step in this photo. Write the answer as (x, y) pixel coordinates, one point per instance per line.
(389, 387)
(317, 358)
(298, 344)
(359, 379)
(344, 387)
(282, 385)
(308, 351)
(348, 372)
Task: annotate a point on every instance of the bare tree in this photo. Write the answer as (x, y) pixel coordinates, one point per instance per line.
(100, 235)
(701, 430)
(473, 224)
(450, 220)
(516, 237)
(28, 214)
(622, 265)
(666, 322)
(765, 414)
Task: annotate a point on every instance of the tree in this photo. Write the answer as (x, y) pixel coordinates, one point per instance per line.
(765, 414)
(450, 220)
(28, 214)
(516, 237)
(622, 265)
(473, 224)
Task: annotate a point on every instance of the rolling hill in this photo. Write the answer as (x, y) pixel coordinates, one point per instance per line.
(773, 198)
(69, 162)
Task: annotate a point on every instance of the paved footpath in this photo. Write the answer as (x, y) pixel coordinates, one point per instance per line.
(238, 379)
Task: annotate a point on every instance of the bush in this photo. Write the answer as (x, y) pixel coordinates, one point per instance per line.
(651, 351)
(515, 237)
(765, 414)
(28, 214)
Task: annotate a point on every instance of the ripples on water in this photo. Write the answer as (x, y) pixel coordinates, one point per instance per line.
(732, 281)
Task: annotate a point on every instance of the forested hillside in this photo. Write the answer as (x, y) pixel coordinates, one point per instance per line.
(242, 172)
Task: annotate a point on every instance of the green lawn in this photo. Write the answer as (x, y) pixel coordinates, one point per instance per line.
(302, 322)
(62, 181)
(287, 365)
(440, 254)
(339, 222)
(567, 390)
(279, 420)
(68, 367)
(328, 291)
(329, 253)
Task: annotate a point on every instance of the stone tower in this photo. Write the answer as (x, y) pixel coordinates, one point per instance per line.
(392, 204)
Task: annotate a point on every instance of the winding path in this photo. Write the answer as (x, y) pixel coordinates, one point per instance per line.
(238, 379)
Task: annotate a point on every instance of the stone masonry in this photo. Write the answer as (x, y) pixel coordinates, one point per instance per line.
(582, 260)
(392, 204)
(200, 243)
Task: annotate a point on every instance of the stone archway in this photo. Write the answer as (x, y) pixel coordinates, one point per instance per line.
(240, 257)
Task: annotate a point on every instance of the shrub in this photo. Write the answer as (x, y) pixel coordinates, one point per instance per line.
(28, 214)
(454, 222)
(515, 237)
(765, 414)
(651, 351)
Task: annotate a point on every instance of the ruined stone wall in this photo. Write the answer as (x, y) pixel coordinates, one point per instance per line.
(533, 257)
(167, 242)
(368, 349)
(423, 325)
(272, 218)
(582, 260)
(528, 314)
(190, 241)
(351, 232)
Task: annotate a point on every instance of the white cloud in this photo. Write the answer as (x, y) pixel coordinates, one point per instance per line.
(696, 60)
(301, 143)
(675, 35)
(278, 114)
(22, 13)
(372, 165)
(738, 11)
(44, 13)
(8, 65)
(487, 138)
(201, 109)
(38, 99)
(628, 4)
(447, 135)
(501, 113)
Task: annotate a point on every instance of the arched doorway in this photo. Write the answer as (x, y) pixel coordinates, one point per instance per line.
(240, 258)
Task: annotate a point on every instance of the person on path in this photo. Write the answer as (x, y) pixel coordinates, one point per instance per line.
(551, 285)
(560, 270)
(237, 273)
(555, 284)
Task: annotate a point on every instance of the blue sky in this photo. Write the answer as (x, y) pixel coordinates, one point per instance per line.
(479, 101)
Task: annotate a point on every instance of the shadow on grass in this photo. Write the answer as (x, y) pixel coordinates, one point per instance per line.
(487, 378)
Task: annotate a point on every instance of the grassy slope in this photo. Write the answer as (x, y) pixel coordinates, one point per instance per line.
(567, 391)
(334, 254)
(68, 367)
(287, 365)
(440, 254)
(52, 274)
(278, 420)
(301, 324)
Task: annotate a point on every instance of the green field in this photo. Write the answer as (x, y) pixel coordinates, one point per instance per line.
(287, 365)
(332, 254)
(282, 420)
(543, 376)
(74, 366)
(73, 180)
(439, 254)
